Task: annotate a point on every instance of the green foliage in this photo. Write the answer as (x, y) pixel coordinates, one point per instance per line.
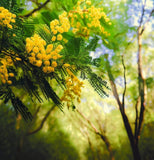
(48, 146)
(64, 5)
(93, 43)
(77, 54)
(31, 78)
(96, 81)
(146, 144)
(8, 134)
(53, 142)
(47, 16)
(150, 82)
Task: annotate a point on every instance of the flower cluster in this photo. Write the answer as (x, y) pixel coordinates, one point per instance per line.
(6, 17)
(73, 85)
(86, 18)
(41, 54)
(4, 73)
(59, 26)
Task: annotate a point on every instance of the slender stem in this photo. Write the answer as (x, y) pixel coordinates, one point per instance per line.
(89, 122)
(136, 120)
(42, 122)
(143, 11)
(36, 9)
(103, 136)
(124, 92)
(142, 86)
(145, 24)
(141, 79)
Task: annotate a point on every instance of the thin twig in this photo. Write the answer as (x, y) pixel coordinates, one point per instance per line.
(125, 83)
(136, 120)
(90, 145)
(143, 11)
(145, 24)
(113, 86)
(91, 124)
(103, 137)
(42, 122)
(83, 122)
(36, 9)
(141, 79)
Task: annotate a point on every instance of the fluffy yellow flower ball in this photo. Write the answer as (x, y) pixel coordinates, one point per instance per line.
(6, 18)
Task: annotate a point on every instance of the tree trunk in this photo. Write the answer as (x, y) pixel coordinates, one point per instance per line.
(132, 140)
(108, 145)
(142, 86)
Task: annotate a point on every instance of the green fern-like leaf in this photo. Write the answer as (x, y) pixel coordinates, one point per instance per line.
(93, 44)
(44, 32)
(96, 82)
(46, 89)
(30, 87)
(21, 108)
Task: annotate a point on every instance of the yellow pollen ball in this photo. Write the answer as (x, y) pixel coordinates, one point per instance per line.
(39, 56)
(1, 8)
(9, 26)
(47, 63)
(33, 54)
(53, 38)
(51, 69)
(54, 64)
(88, 2)
(13, 15)
(11, 74)
(60, 47)
(32, 60)
(18, 59)
(65, 40)
(66, 65)
(39, 63)
(45, 69)
(59, 37)
(49, 48)
(55, 32)
(9, 82)
(13, 20)
(35, 50)
(54, 57)
(3, 81)
(43, 51)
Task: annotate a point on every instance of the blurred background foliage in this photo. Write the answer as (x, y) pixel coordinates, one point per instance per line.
(67, 135)
(71, 134)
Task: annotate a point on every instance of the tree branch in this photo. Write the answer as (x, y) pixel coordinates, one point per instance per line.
(136, 120)
(42, 122)
(82, 122)
(124, 92)
(123, 114)
(113, 86)
(89, 122)
(37, 110)
(141, 79)
(145, 24)
(103, 137)
(142, 85)
(35, 115)
(90, 145)
(36, 9)
(143, 10)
